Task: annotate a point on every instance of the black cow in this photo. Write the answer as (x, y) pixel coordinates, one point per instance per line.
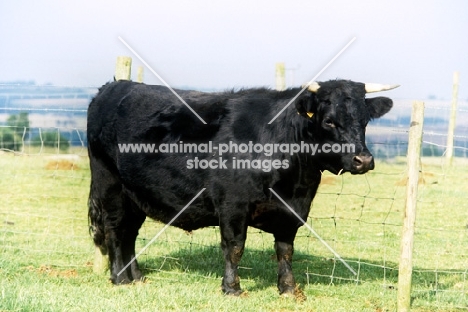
(127, 187)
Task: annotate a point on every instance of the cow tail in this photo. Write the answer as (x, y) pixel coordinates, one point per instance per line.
(96, 223)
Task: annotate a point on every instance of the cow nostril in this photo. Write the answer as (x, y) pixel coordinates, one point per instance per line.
(358, 162)
(363, 162)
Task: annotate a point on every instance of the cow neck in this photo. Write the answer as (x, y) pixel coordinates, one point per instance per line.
(293, 128)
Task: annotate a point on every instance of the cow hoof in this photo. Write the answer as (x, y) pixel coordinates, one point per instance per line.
(232, 291)
(126, 281)
(289, 292)
(138, 277)
(287, 295)
(295, 293)
(235, 293)
(287, 289)
(118, 281)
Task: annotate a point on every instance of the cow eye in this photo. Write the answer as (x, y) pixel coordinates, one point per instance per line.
(328, 122)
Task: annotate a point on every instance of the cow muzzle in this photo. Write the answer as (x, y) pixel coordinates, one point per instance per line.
(362, 163)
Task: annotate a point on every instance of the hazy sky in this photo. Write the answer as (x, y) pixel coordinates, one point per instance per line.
(226, 44)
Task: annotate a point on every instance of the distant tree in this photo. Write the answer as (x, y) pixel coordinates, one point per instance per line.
(9, 140)
(19, 123)
(432, 151)
(17, 129)
(51, 139)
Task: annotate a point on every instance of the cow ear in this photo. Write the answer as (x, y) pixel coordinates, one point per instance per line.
(306, 106)
(379, 106)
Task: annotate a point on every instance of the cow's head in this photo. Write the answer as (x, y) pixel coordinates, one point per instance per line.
(338, 112)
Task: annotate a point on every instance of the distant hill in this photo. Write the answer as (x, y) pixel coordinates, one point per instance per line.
(49, 107)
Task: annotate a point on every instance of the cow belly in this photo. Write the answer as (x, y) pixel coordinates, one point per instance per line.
(165, 209)
(194, 217)
(190, 221)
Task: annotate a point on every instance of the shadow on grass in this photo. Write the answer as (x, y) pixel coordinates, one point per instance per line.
(260, 266)
(258, 271)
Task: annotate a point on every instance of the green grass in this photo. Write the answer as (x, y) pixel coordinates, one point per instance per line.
(47, 254)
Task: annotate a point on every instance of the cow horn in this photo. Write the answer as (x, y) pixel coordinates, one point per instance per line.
(376, 87)
(313, 87)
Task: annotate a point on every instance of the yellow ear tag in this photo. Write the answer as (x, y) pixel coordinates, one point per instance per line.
(310, 114)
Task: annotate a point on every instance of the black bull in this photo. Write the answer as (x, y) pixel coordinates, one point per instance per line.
(128, 186)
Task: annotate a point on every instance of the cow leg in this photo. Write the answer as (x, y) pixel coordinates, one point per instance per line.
(129, 248)
(233, 234)
(115, 221)
(121, 245)
(284, 248)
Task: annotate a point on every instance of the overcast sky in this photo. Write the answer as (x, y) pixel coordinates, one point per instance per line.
(226, 44)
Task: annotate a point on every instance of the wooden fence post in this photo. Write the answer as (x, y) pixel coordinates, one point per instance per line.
(123, 68)
(140, 74)
(407, 239)
(452, 121)
(101, 262)
(280, 77)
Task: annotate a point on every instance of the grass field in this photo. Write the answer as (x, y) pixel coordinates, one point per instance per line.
(47, 254)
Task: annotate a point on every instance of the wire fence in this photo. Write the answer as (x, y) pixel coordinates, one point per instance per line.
(45, 183)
